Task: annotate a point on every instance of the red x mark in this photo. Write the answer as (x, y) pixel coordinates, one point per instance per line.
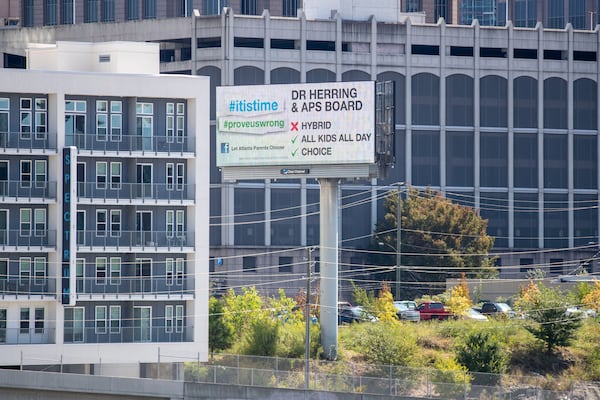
(294, 126)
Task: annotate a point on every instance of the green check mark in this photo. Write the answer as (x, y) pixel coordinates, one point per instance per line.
(294, 140)
(294, 153)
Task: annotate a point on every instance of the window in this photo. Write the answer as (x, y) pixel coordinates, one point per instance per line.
(425, 95)
(25, 119)
(170, 122)
(179, 319)
(170, 176)
(40, 173)
(413, 5)
(115, 175)
(100, 223)
(74, 324)
(24, 324)
(25, 173)
(555, 161)
(28, 10)
(25, 222)
(249, 7)
(169, 271)
(286, 264)
(2, 325)
(525, 264)
(133, 11)
(426, 158)
(179, 223)
(494, 159)
(459, 158)
(585, 165)
(116, 119)
(144, 123)
(556, 266)
(179, 266)
(108, 10)
(115, 270)
(101, 175)
(555, 103)
(100, 319)
(249, 264)
(168, 319)
(39, 270)
(39, 222)
(100, 270)
(115, 319)
(67, 7)
(180, 122)
(101, 120)
(75, 112)
(290, 8)
(115, 223)
(180, 175)
(40, 119)
(90, 13)
(149, 8)
(170, 223)
(3, 271)
(459, 100)
(525, 160)
(24, 270)
(38, 324)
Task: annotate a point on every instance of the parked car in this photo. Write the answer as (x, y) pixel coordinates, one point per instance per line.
(434, 310)
(475, 315)
(496, 309)
(581, 312)
(407, 310)
(354, 314)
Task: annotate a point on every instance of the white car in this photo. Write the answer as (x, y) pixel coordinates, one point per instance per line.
(407, 310)
(475, 315)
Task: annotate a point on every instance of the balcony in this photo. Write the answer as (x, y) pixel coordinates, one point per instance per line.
(126, 286)
(27, 335)
(132, 143)
(19, 190)
(17, 238)
(125, 333)
(15, 285)
(135, 192)
(26, 142)
(129, 239)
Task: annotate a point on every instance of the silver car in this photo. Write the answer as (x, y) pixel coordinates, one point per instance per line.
(407, 310)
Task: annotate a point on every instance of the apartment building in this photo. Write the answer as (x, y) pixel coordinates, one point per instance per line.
(103, 209)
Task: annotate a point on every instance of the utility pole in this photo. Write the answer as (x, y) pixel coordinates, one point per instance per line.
(307, 320)
(398, 246)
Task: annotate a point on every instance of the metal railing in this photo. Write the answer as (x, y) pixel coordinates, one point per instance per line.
(125, 334)
(17, 285)
(135, 191)
(128, 143)
(16, 237)
(27, 335)
(28, 141)
(24, 190)
(134, 285)
(142, 239)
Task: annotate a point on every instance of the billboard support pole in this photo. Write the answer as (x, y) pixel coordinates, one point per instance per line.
(329, 223)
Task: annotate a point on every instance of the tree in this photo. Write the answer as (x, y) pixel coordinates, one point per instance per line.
(459, 301)
(481, 352)
(384, 305)
(241, 309)
(220, 333)
(547, 307)
(592, 298)
(442, 238)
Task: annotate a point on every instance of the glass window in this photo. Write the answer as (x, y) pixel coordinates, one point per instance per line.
(24, 323)
(525, 160)
(556, 221)
(459, 159)
(585, 219)
(67, 7)
(28, 13)
(108, 10)
(2, 325)
(115, 223)
(555, 103)
(249, 264)
(40, 119)
(115, 175)
(556, 15)
(25, 222)
(413, 6)
(286, 264)
(170, 271)
(248, 7)
(179, 319)
(180, 222)
(585, 104)
(425, 96)
(577, 14)
(180, 176)
(115, 270)
(149, 8)
(101, 127)
(170, 223)
(26, 107)
(459, 100)
(249, 209)
(39, 221)
(493, 101)
(285, 227)
(100, 319)
(74, 324)
(525, 13)
(100, 223)
(170, 122)
(25, 173)
(115, 319)
(90, 12)
(494, 159)
(555, 161)
(133, 10)
(170, 176)
(116, 121)
(100, 270)
(168, 319)
(40, 174)
(525, 104)
(24, 270)
(179, 270)
(526, 220)
(494, 207)
(585, 161)
(101, 174)
(426, 158)
(39, 270)
(290, 8)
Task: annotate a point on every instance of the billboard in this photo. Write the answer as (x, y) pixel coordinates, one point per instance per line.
(297, 124)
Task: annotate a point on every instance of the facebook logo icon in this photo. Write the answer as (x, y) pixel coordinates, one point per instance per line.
(224, 148)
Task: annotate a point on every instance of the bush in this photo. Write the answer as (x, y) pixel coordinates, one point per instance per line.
(261, 338)
(292, 340)
(449, 378)
(481, 352)
(385, 343)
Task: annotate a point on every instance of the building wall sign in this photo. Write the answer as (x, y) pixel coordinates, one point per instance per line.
(68, 160)
(298, 124)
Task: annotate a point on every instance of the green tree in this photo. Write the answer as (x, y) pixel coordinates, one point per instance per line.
(240, 309)
(261, 337)
(547, 307)
(285, 308)
(220, 333)
(459, 301)
(444, 239)
(481, 352)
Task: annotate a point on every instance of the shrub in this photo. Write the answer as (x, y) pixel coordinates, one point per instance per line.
(261, 338)
(449, 378)
(481, 352)
(385, 343)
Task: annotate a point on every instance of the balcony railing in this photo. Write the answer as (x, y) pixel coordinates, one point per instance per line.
(129, 143)
(27, 335)
(17, 237)
(27, 141)
(135, 191)
(27, 190)
(134, 239)
(124, 334)
(153, 285)
(18, 285)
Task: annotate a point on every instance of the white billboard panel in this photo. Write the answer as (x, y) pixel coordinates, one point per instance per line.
(298, 124)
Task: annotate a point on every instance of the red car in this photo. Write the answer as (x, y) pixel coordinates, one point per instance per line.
(433, 310)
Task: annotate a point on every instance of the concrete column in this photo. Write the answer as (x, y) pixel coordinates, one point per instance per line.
(267, 46)
(303, 211)
(570, 173)
(540, 135)
(338, 47)
(302, 20)
(408, 105)
(476, 117)
(267, 212)
(329, 235)
(511, 139)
